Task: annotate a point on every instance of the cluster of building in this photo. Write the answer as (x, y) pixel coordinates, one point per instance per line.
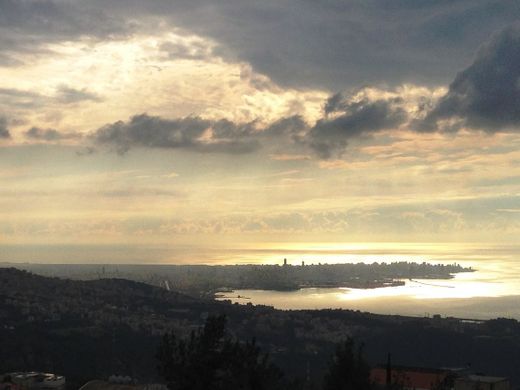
(419, 378)
(383, 377)
(32, 381)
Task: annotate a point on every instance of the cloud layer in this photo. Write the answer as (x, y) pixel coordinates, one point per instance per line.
(486, 95)
(339, 44)
(28, 26)
(335, 45)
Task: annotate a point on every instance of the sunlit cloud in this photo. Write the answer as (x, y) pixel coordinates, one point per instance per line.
(124, 120)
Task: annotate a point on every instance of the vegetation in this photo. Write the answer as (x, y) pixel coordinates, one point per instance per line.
(210, 359)
(348, 369)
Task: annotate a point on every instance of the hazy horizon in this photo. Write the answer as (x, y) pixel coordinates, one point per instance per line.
(467, 254)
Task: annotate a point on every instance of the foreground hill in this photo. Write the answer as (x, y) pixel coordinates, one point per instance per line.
(92, 329)
(87, 329)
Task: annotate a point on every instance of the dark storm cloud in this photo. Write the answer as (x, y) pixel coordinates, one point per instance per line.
(184, 133)
(36, 133)
(4, 131)
(486, 95)
(337, 44)
(330, 136)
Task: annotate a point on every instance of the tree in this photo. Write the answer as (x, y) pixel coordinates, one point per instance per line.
(347, 370)
(209, 359)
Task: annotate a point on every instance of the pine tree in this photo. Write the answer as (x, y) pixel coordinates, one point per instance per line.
(209, 359)
(347, 370)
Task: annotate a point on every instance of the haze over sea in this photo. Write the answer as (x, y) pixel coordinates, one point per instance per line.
(493, 290)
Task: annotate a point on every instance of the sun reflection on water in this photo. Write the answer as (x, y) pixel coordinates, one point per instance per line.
(491, 290)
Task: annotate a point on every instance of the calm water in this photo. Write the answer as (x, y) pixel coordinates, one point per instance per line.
(492, 291)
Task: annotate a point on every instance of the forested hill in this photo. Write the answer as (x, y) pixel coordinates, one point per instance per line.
(89, 329)
(48, 299)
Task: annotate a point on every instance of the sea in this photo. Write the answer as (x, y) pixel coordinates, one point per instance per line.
(491, 291)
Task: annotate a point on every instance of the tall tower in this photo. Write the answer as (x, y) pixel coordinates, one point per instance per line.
(285, 262)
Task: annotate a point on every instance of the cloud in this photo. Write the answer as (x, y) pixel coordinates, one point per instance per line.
(485, 95)
(330, 135)
(190, 50)
(333, 103)
(69, 95)
(293, 126)
(192, 133)
(17, 98)
(37, 133)
(335, 46)
(4, 131)
(338, 44)
(26, 26)
(288, 136)
(204, 135)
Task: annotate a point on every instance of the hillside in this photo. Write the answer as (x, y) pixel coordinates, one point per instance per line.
(91, 329)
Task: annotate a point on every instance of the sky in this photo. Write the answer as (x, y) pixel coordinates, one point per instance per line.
(141, 129)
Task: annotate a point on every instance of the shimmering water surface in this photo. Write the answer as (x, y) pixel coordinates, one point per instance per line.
(493, 290)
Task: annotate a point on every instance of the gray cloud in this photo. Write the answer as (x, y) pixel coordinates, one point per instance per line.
(68, 95)
(187, 133)
(293, 126)
(337, 44)
(154, 132)
(179, 50)
(486, 95)
(4, 131)
(20, 99)
(327, 138)
(26, 25)
(37, 133)
(6, 60)
(330, 136)
(334, 103)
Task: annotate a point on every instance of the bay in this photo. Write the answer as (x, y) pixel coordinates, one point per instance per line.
(492, 291)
